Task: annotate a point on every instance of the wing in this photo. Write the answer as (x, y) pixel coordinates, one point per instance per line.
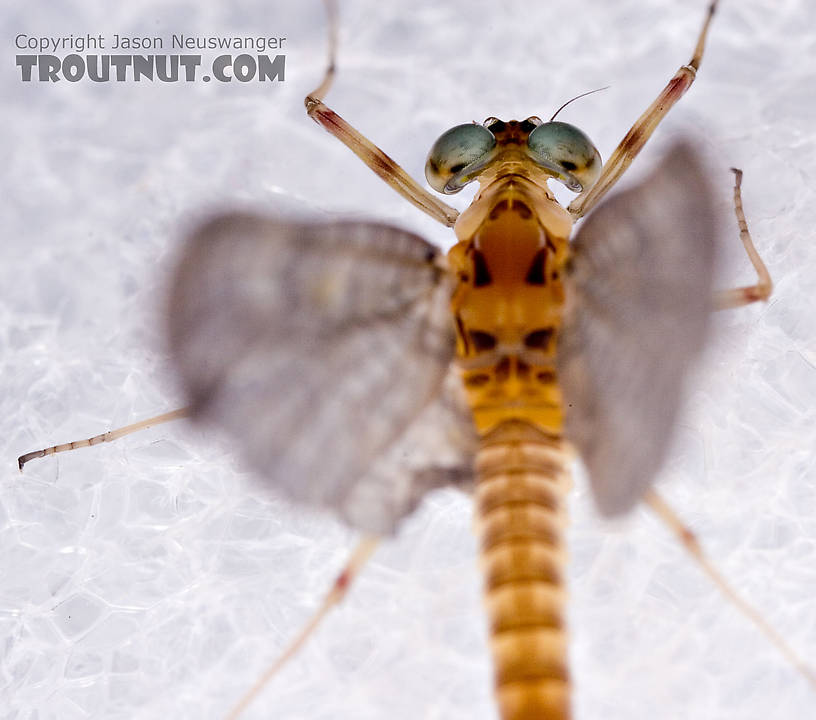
(316, 346)
(638, 301)
(435, 450)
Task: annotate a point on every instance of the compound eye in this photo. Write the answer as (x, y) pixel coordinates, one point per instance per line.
(566, 152)
(458, 156)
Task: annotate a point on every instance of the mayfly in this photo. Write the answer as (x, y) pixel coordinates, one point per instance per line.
(517, 345)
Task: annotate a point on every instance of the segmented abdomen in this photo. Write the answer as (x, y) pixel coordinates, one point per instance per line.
(521, 513)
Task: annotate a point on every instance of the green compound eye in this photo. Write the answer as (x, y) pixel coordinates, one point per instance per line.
(458, 156)
(567, 152)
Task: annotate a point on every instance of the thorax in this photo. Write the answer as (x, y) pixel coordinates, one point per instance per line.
(508, 301)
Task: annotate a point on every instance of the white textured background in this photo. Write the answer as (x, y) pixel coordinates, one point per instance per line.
(146, 579)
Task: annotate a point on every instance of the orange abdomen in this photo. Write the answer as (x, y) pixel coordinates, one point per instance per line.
(521, 513)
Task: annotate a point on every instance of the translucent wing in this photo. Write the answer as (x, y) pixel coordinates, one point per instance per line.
(638, 290)
(316, 346)
(436, 450)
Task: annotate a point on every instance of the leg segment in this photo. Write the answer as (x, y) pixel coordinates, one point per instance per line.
(109, 436)
(737, 297)
(641, 131)
(369, 153)
(335, 596)
(690, 543)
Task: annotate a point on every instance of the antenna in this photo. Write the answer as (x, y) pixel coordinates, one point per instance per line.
(577, 97)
